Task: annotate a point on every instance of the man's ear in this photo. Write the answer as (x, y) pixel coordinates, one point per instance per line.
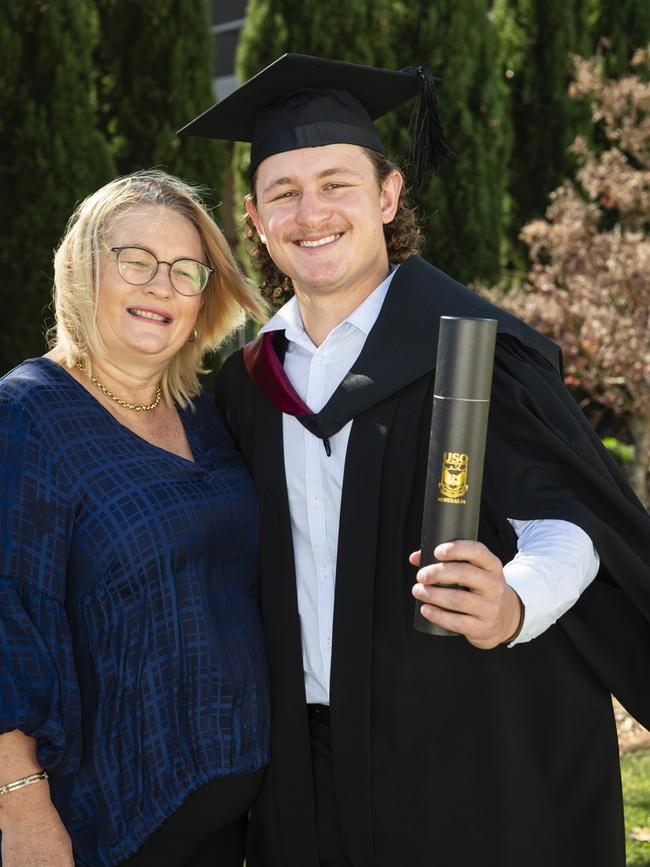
(251, 210)
(390, 193)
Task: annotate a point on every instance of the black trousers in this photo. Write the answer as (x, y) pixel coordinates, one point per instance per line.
(207, 830)
(330, 847)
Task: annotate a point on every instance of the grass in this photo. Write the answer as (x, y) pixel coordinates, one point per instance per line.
(635, 768)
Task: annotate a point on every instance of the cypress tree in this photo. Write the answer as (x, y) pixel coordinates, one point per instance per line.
(461, 210)
(624, 25)
(53, 155)
(538, 38)
(357, 31)
(154, 61)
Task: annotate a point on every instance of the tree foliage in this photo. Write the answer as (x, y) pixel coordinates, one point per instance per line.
(589, 285)
(537, 38)
(154, 74)
(358, 31)
(462, 209)
(619, 28)
(53, 155)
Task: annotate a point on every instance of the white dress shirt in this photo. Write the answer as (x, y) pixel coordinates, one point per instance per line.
(556, 560)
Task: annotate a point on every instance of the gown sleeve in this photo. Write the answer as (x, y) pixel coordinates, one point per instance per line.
(544, 460)
(39, 693)
(228, 387)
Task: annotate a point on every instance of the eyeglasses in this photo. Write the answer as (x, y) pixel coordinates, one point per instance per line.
(138, 266)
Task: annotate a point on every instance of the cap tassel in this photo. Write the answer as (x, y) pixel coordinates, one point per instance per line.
(429, 150)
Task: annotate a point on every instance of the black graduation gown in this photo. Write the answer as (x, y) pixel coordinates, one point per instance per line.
(445, 755)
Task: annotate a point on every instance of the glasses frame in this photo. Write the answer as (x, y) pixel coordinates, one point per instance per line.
(159, 262)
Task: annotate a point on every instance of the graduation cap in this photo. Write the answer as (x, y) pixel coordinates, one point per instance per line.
(300, 101)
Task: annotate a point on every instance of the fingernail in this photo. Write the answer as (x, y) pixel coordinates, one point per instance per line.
(441, 550)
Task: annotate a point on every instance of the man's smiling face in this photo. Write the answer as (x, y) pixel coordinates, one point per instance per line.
(321, 213)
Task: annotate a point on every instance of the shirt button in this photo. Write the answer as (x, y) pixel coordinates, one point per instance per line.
(316, 503)
(328, 643)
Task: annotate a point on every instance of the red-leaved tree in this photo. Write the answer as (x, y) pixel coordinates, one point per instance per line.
(589, 284)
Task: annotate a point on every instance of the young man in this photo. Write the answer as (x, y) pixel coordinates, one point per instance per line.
(393, 748)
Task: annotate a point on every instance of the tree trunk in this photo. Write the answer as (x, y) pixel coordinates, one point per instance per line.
(640, 428)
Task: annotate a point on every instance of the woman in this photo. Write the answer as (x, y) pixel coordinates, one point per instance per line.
(133, 686)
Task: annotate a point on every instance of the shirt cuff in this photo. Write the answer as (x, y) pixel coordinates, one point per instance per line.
(548, 584)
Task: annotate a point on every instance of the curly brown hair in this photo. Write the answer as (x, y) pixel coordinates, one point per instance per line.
(403, 234)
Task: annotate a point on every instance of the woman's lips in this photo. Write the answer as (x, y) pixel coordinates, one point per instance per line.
(150, 315)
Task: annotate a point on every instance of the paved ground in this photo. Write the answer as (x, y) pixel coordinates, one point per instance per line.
(631, 735)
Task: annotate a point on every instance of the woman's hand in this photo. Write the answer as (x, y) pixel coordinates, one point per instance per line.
(33, 834)
(36, 839)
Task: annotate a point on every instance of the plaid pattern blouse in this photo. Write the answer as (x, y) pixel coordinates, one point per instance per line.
(130, 637)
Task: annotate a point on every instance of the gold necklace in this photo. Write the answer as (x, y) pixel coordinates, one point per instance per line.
(137, 407)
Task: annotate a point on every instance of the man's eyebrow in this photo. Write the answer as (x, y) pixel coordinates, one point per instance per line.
(326, 173)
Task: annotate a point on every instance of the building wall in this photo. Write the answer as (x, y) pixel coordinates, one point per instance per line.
(227, 22)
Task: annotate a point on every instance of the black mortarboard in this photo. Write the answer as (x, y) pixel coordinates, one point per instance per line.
(300, 101)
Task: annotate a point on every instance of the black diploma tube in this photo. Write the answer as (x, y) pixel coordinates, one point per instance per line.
(459, 422)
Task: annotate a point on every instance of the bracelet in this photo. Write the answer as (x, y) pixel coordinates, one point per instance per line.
(522, 617)
(25, 781)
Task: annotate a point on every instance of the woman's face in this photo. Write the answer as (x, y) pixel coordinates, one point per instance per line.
(152, 319)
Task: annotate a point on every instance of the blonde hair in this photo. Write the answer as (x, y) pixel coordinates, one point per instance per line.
(228, 296)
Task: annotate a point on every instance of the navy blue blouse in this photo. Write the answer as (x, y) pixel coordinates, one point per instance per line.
(130, 637)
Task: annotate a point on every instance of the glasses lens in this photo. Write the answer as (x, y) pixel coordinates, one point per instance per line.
(136, 265)
(189, 277)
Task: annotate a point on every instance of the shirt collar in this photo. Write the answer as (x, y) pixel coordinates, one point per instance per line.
(363, 317)
(287, 319)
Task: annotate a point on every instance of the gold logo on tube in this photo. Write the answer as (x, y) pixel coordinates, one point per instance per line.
(453, 480)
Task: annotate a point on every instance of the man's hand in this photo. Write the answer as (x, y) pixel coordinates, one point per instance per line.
(489, 615)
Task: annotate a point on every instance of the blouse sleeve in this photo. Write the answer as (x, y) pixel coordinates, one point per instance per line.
(39, 693)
